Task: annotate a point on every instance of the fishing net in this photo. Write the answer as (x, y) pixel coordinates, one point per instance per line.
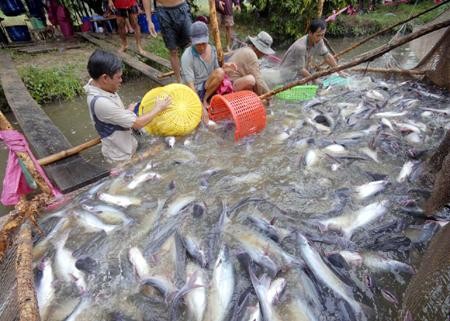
(9, 307)
(432, 51)
(436, 63)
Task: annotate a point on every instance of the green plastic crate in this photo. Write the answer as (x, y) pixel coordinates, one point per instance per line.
(335, 81)
(303, 92)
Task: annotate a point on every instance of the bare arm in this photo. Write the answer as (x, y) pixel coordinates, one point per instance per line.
(305, 73)
(148, 14)
(329, 59)
(161, 104)
(205, 117)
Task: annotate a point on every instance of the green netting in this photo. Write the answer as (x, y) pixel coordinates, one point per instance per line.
(303, 92)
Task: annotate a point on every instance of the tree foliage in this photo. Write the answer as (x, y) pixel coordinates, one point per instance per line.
(290, 18)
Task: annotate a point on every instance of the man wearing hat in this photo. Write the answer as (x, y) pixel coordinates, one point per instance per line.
(248, 75)
(200, 69)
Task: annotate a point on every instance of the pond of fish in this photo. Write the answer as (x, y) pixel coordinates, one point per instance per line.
(308, 220)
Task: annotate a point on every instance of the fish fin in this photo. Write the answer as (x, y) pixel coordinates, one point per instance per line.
(190, 285)
(262, 283)
(389, 296)
(322, 227)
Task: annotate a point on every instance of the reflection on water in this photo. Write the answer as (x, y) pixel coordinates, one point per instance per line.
(299, 172)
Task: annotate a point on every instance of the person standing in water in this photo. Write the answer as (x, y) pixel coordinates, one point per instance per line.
(111, 119)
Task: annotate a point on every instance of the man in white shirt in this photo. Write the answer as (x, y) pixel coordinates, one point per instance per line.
(112, 120)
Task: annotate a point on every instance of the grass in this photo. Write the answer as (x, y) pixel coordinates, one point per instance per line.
(387, 15)
(157, 47)
(46, 85)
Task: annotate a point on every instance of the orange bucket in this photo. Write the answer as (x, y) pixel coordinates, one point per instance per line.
(244, 108)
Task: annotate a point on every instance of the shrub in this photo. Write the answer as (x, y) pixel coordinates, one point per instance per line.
(289, 19)
(57, 83)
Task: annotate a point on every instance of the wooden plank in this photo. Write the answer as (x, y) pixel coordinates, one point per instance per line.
(150, 72)
(42, 135)
(151, 56)
(47, 48)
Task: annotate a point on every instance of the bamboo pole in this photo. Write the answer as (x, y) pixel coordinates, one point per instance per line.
(371, 55)
(405, 72)
(339, 54)
(166, 74)
(28, 307)
(24, 210)
(215, 30)
(68, 152)
(320, 8)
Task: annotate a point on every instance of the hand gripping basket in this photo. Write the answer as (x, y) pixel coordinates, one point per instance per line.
(180, 118)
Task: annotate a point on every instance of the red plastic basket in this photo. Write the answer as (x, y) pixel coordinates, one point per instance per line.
(244, 108)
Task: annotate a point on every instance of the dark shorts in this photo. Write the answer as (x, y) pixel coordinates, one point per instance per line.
(201, 92)
(125, 13)
(175, 25)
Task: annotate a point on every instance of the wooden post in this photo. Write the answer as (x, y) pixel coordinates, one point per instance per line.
(403, 72)
(26, 298)
(320, 8)
(215, 30)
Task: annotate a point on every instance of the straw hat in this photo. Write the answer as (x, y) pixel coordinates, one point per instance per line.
(263, 42)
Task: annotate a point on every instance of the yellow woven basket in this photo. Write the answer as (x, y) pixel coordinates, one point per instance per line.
(180, 118)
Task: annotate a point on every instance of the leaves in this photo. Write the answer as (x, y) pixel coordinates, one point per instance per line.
(289, 18)
(46, 85)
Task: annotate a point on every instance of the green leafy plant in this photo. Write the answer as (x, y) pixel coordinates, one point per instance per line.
(289, 19)
(46, 85)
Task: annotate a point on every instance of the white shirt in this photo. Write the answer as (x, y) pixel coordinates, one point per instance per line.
(109, 108)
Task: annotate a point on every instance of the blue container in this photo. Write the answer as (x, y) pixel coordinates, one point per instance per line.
(156, 22)
(144, 25)
(142, 20)
(12, 8)
(18, 33)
